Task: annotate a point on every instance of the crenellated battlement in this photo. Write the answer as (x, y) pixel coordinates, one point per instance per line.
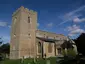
(33, 12)
(21, 8)
(25, 10)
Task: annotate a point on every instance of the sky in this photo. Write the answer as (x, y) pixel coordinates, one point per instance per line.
(58, 16)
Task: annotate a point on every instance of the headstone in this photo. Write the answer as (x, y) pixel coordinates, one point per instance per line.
(48, 62)
(22, 59)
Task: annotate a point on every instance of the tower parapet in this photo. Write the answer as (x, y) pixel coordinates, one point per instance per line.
(21, 8)
(33, 12)
(25, 10)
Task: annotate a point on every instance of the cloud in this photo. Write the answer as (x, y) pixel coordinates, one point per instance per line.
(70, 34)
(38, 24)
(78, 31)
(77, 10)
(3, 24)
(74, 27)
(76, 19)
(6, 39)
(73, 15)
(73, 30)
(50, 24)
(9, 26)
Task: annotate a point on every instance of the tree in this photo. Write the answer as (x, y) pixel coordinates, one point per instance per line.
(78, 59)
(5, 48)
(0, 41)
(80, 43)
(66, 45)
(68, 49)
(0, 45)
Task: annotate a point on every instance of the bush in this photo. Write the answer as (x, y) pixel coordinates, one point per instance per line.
(71, 52)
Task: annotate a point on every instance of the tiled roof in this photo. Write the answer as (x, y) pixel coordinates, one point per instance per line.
(47, 39)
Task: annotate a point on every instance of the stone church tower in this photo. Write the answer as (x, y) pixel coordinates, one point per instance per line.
(23, 33)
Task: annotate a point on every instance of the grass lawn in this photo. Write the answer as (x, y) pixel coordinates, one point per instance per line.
(30, 61)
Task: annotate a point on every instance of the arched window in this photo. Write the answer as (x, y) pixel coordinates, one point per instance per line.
(28, 19)
(59, 50)
(39, 47)
(50, 48)
(14, 35)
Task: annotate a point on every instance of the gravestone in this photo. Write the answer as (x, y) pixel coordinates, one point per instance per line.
(48, 62)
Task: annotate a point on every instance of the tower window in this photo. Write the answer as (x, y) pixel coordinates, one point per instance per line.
(29, 35)
(14, 35)
(28, 19)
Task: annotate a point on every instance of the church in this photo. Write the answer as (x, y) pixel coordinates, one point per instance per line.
(27, 41)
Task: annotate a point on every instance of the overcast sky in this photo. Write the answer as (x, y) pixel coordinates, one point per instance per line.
(59, 16)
